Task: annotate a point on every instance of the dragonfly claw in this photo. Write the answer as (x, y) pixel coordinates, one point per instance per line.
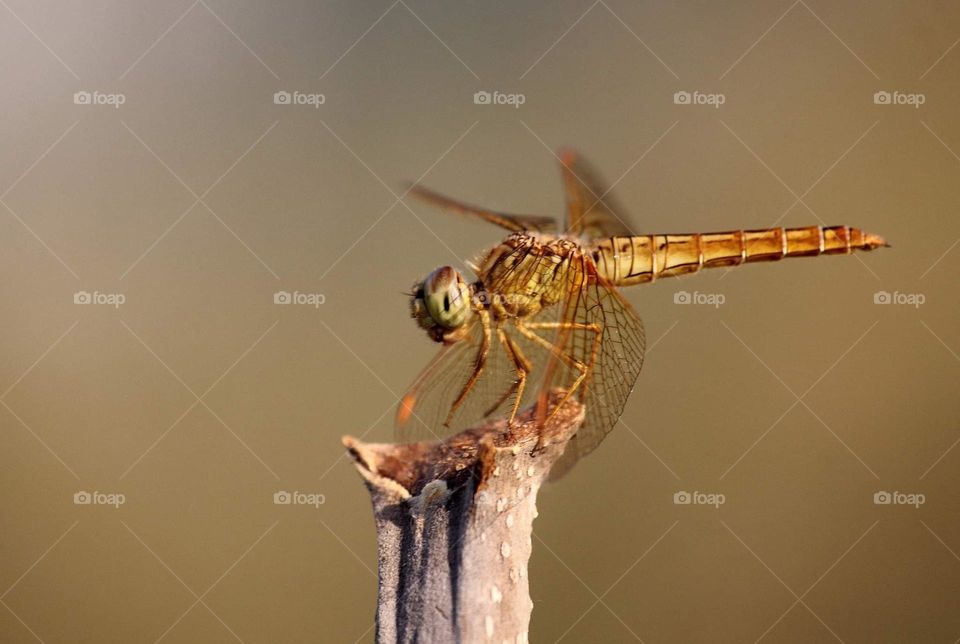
(539, 447)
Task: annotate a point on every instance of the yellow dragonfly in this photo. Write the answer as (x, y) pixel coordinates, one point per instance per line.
(543, 311)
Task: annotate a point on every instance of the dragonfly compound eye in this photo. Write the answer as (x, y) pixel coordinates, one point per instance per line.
(447, 297)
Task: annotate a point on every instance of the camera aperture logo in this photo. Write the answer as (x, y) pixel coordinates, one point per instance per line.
(699, 498)
(499, 98)
(108, 299)
(899, 98)
(297, 97)
(84, 97)
(910, 299)
(716, 300)
(883, 497)
(296, 297)
(298, 498)
(114, 499)
(699, 98)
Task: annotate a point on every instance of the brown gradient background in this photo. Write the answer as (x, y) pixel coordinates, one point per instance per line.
(105, 399)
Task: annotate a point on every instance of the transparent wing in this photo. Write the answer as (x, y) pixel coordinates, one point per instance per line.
(614, 365)
(428, 410)
(423, 412)
(415, 417)
(513, 223)
(591, 212)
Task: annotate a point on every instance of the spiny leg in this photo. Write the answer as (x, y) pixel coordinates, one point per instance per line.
(570, 361)
(478, 369)
(501, 336)
(577, 326)
(522, 366)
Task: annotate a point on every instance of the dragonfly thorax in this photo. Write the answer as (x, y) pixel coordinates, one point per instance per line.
(526, 273)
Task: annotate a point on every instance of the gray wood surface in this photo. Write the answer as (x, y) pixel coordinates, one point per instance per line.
(454, 521)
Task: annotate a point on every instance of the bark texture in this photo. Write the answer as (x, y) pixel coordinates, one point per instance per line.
(454, 522)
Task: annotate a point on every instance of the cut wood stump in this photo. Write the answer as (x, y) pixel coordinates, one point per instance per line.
(454, 522)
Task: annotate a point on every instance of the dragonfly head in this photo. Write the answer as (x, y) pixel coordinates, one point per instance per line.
(441, 304)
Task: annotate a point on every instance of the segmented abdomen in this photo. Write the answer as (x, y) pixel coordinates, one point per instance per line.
(643, 258)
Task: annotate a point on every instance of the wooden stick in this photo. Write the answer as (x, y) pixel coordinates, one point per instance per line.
(454, 523)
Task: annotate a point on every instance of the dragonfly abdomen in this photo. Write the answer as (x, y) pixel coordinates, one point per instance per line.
(643, 258)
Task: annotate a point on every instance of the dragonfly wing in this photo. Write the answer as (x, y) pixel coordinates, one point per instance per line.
(591, 212)
(424, 412)
(615, 365)
(513, 223)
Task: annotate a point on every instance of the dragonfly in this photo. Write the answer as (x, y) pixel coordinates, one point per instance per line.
(543, 311)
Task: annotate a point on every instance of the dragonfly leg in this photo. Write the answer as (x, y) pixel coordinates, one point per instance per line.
(595, 328)
(502, 337)
(566, 358)
(478, 369)
(522, 366)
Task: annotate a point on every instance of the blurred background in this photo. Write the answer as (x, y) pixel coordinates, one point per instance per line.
(156, 193)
